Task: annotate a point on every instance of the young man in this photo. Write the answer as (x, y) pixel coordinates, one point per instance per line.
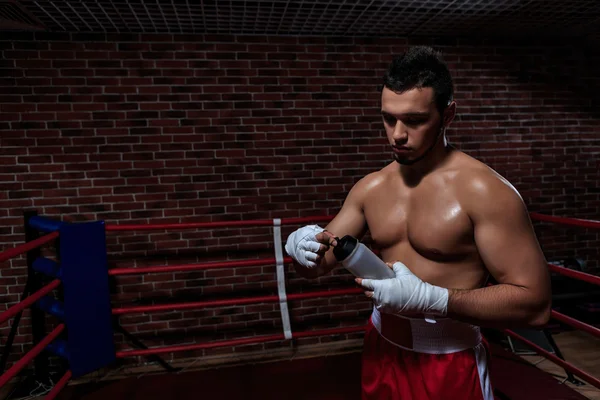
(445, 223)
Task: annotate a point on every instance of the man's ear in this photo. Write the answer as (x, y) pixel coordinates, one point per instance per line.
(449, 114)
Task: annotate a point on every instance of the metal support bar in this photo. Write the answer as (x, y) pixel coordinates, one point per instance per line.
(136, 342)
(570, 377)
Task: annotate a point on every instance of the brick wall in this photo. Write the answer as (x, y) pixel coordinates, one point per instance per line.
(208, 128)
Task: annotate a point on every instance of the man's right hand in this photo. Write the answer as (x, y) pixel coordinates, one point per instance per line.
(308, 245)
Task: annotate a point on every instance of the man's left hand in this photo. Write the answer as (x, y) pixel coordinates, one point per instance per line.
(406, 294)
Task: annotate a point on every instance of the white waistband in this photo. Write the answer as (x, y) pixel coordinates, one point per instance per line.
(442, 337)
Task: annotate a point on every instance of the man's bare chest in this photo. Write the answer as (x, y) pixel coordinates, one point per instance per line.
(433, 222)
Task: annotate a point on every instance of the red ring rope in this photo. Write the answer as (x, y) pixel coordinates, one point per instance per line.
(592, 330)
(569, 367)
(233, 302)
(195, 267)
(585, 223)
(31, 354)
(218, 224)
(236, 342)
(24, 248)
(59, 386)
(582, 276)
(17, 308)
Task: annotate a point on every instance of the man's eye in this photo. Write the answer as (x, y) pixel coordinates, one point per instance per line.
(414, 122)
(389, 120)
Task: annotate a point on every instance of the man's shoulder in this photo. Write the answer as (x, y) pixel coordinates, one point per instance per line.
(482, 189)
(377, 178)
(478, 178)
(371, 183)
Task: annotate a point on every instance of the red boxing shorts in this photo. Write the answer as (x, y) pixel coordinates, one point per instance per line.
(446, 360)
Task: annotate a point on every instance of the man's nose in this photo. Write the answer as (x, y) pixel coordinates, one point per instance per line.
(400, 134)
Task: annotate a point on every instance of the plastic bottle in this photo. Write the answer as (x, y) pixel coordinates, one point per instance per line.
(363, 263)
(359, 260)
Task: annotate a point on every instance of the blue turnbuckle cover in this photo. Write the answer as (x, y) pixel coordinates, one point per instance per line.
(52, 306)
(48, 267)
(59, 347)
(45, 224)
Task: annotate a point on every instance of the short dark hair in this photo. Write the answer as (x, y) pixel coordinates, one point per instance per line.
(419, 67)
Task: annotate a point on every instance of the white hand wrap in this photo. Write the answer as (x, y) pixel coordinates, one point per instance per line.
(407, 294)
(302, 245)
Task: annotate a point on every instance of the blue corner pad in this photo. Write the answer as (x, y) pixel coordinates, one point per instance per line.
(59, 347)
(52, 306)
(47, 266)
(87, 305)
(45, 224)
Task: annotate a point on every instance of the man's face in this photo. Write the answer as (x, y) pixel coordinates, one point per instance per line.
(412, 122)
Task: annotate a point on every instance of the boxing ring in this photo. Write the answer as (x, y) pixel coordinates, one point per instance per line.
(85, 343)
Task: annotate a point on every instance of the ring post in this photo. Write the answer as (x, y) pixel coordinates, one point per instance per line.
(87, 309)
(38, 318)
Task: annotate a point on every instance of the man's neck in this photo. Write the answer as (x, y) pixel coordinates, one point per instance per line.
(413, 174)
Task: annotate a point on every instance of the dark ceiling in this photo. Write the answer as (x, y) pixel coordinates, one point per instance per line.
(512, 18)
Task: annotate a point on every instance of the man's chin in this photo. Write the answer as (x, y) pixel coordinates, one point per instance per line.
(405, 160)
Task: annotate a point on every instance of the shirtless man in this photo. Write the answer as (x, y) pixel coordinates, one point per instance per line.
(446, 223)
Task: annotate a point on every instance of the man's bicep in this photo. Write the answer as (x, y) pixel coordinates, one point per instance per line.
(507, 244)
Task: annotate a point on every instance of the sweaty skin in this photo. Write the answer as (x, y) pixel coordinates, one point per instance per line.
(452, 220)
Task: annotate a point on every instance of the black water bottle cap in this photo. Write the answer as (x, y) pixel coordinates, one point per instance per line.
(345, 247)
